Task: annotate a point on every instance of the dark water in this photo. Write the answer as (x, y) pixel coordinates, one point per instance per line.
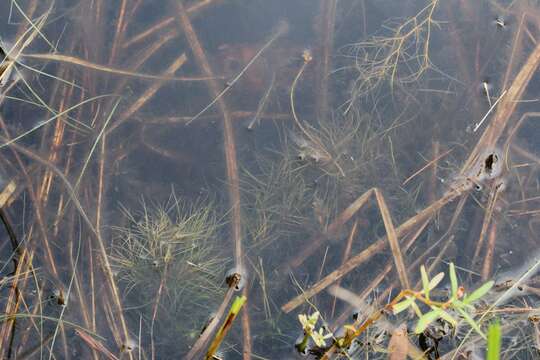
(129, 185)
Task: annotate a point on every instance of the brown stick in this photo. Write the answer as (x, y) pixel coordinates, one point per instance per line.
(118, 35)
(95, 345)
(505, 109)
(148, 94)
(487, 220)
(346, 255)
(408, 241)
(376, 247)
(488, 259)
(205, 336)
(162, 24)
(229, 142)
(326, 38)
(341, 219)
(393, 241)
(13, 301)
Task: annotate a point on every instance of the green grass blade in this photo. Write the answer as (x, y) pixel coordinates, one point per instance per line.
(453, 280)
(478, 293)
(494, 341)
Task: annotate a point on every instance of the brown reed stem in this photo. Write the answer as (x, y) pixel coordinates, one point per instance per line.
(228, 132)
(36, 204)
(346, 255)
(192, 11)
(393, 240)
(490, 251)
(101, 244)
(229, 142)
(505, 109)
(376, 247)
(326, 38)
(148, 94)
(119, 32)
(487, 220)
(212, 325)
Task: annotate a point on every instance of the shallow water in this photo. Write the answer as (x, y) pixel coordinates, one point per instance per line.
(153, 147)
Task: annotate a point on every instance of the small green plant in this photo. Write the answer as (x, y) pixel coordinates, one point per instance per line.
(317, 336)
(458, 302)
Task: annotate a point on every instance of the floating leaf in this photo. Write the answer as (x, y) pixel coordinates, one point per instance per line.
(478, 293)
(453, 280)
(403, 305)
(494, 341)
(425, 320)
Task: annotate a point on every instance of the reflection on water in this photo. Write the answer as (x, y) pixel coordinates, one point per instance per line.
(160, 161)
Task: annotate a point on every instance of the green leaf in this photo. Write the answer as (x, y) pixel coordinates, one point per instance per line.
(453, 280)
(425, 281)
(471, 322)
(494, 341)
(425, 320)
(403, 305)
(436, 280)
(478, 293)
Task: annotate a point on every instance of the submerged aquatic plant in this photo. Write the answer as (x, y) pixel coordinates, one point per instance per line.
(170, 249)
(400, 57)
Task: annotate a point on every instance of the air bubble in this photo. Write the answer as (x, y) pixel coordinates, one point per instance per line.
(236, 277)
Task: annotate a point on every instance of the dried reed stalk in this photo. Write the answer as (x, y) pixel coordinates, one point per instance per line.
(326, 38)
(332, 229)
(148, 94)
(229, 141)
(194, 9)
(35, 203)
(106, 266)
(409, 241)
(212, 325)
(346, 255)
(377, 246)
(95, 345)
(114, 71)
(487, 220)
(393, 240)
(488, 258)
(14, 301)
(119, 31)
(505, 109)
